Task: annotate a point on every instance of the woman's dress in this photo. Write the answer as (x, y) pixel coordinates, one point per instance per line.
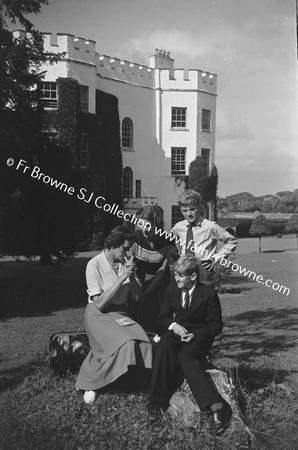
(113, 347)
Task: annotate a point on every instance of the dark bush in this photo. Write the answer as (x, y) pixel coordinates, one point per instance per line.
(242, 229)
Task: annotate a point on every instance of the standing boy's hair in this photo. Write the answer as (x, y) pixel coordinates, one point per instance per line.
(187, 265)
(190, 198)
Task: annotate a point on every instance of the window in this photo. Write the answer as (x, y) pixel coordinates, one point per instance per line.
(178, 117)
(127, 134)
(205, 153)
(49, 94)
(138, 188)
(84, 151)
(176, 214)
(178, 161)
(206, 120)
(127, 180)
(84, 98)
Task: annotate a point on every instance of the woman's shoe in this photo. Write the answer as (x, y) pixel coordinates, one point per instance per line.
(89, 397)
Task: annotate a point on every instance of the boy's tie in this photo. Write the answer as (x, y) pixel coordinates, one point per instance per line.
(189, 237)
(186, 301)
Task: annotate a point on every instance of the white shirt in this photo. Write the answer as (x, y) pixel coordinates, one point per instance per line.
(100, 277)
(190, 291)
(206, 234)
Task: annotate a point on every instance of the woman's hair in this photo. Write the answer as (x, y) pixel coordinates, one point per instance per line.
(187, 265)
(118, 236)
(190, 198)
(152, 213)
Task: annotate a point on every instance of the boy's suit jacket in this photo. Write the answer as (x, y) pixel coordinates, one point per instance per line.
(203, 317)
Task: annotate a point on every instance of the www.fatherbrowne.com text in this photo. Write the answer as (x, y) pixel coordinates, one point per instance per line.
(99, 202)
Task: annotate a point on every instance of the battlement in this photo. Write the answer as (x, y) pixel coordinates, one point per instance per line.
(82, 51)
(188, 79)
(126, 71)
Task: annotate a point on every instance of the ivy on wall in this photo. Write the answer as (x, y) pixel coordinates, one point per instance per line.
(107, 109)
(68, 115)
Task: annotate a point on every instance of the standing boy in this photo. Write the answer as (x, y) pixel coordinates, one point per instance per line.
(198, 236)
(190, 319)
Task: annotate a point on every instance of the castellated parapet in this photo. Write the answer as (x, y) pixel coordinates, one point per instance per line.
(125, 71)
(188, 79)
(160, 72)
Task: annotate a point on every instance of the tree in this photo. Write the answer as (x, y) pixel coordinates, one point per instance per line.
(205, 185)
(292, 226)
(21, 57)
(212, 185)
(260, 227)
(197, 179)
(22, 204)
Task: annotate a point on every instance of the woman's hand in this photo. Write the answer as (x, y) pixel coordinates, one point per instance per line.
(128, 270)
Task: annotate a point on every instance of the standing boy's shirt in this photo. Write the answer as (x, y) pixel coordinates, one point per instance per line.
(206, 234)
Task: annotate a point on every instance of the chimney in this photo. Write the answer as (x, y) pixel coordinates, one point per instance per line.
(161, 60)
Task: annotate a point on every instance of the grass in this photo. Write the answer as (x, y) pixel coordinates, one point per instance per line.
(39, 410)
(44, 412)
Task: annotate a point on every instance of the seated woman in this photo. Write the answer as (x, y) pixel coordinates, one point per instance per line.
(152, 253)
(116, 341)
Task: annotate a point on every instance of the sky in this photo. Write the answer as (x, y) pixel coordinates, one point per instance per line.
(251, 46)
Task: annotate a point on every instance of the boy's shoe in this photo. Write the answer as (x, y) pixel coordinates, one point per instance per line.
(220, 420)
(89, 397)
(156, 410)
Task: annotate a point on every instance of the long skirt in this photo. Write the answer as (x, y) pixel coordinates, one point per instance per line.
(113, 349)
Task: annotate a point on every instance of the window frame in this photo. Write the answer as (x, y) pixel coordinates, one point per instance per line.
(84, 98)
(206, 160)
(127, 134)
(138, 188)
(51, 101)
(176, 112)
(206, 124)
(128, 193)
(178, 160)
(176, 215)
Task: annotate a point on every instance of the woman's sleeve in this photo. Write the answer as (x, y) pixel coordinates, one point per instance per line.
(93, 279)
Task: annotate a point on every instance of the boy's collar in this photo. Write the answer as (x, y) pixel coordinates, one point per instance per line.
(190, 291)
(198, 222)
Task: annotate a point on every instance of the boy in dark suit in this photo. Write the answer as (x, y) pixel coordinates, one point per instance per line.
(190, 319)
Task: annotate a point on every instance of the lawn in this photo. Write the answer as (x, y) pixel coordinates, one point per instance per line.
(259, 345)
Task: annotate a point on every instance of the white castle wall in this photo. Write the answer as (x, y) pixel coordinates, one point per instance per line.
(146, 95)
(147, 158)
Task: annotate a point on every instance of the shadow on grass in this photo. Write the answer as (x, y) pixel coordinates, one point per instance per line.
(254, 378)
(273, 251)
(28, 289)
(13, 377)
(258, 333)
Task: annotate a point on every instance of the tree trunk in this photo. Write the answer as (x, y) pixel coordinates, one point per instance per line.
(260, 250)
(297, 238)
(45, 256)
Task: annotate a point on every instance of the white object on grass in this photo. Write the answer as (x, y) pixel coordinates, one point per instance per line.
(89, 397)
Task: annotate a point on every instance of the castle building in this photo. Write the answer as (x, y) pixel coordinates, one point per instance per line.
(167, 116)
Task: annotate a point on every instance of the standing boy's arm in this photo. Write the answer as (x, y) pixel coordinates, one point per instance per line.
(230, 242)
(213, 324)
